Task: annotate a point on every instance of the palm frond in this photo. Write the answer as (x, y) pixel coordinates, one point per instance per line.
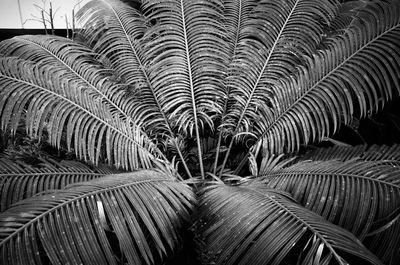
(237, 15)
(277, 30)
(341, 153)
(255, 225)
(360, 152)
(75, 99)
(115, 31)
(19, 180)
(356, 195)
(347, 17)
(186, 55)
(355, 75)
(142, 211)
(187, 59)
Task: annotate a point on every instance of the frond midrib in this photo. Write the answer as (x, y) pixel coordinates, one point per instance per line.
(265, 66)
(323, 79)
(87, 112)
(82, 196)
(142, 68)
(315, 232)
(190, 75)
(82, 78)
(238, 27)
(324, 174)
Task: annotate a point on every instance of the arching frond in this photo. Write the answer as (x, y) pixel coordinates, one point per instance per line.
(355, 75)
(272, 44)
(19, 180)
(347, 16)
(238, 16)
(76, 60)
(361, 152)
(186, 59)
(341, 153)
(186, 55)
(254, 225)
(115, 31)
(57, 100)
(141, 211)
(356, 195)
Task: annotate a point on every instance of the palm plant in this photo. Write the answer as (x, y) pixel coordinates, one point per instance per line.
(203, 112)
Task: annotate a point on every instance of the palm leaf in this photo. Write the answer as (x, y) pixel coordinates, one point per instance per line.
(142, 210)
(361, 196)
(76, 99)
(347, 17)
(19, 180)
(115, 31)
(277, 29)
(237, 16)
(361, 152)
(355, 75)
(254, 225)
(187, 57)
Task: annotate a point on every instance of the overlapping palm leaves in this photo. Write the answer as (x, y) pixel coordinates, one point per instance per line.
(140, 84)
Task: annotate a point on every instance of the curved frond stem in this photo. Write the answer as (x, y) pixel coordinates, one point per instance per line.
(70, 201)
(266, 74)
(325, 187)
(327, 75)
(118, 11)
(185, 50)
(237, 15)
(46, 40)
(305, 223)
(183, 160)
(142, 68)
(126, 131)
(190, 74)
(19, 180)
(315, 92)
(81, 108)
(151, 87)
(235, 222)
(153, 206)
(218, 149)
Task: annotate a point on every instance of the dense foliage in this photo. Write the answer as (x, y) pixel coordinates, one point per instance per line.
(197, 126)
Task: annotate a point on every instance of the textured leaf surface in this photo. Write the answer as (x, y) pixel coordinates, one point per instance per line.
(291, 30)
(74, 104)
(255, 225)
(355, 74)
(357, 195)
(138, 213)
(115, 31)
(19, 180)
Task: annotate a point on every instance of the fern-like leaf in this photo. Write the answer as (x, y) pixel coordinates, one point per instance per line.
(115, 31)
(273, 43)
(19, 180)
(355, 75)
(187, 56)
(357, 195)
(360, 152)
(255, 225)
(76, 99)
(143, 211)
